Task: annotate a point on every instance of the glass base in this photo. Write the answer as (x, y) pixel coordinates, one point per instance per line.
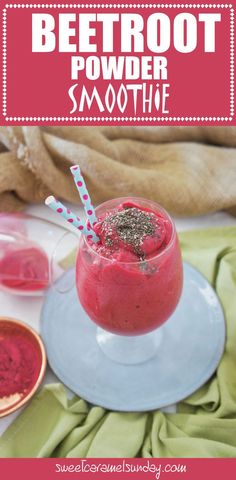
(129, 350)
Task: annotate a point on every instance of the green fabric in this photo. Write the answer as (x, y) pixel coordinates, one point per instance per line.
(205, 423)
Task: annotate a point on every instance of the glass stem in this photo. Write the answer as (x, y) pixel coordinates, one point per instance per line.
(129, 350)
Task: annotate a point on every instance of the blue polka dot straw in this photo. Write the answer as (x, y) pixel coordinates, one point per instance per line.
(84, 195)
(74, 220)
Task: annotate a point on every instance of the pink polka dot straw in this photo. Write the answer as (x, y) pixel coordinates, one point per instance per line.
(84, 195)
(75, 221)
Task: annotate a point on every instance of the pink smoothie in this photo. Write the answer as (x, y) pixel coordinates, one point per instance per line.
(130, 282)
(24, 268)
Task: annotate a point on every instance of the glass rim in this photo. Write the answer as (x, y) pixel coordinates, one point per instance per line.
(138, 262)
(29, 216)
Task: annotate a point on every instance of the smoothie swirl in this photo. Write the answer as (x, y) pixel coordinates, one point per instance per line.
(130, 233)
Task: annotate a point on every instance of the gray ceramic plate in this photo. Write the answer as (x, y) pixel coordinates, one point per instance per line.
(191, 348)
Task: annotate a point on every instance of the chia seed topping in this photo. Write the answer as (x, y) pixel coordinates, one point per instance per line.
(131, 225)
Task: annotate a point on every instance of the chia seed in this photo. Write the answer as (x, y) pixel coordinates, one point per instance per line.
(131, 225)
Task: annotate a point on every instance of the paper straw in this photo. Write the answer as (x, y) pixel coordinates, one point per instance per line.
(84, 195)
(75, 221)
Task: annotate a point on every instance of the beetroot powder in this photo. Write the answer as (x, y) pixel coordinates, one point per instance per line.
(20, 359)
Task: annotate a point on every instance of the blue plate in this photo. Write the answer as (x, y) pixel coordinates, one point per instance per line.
(191, 347)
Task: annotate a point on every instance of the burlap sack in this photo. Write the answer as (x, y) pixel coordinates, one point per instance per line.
(189, 170)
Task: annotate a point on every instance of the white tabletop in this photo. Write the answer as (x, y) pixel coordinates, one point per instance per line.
(28, 309)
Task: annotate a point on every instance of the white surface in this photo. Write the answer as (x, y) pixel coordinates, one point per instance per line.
(28, 309)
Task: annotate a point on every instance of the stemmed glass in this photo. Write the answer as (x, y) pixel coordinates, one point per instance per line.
(129, 301)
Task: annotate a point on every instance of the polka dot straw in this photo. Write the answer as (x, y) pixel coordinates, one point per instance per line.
(75, 221)
(84, 195)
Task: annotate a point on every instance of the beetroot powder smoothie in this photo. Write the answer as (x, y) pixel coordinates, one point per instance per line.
(130, 282)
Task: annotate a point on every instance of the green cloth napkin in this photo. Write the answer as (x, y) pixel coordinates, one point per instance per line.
(205, 422)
